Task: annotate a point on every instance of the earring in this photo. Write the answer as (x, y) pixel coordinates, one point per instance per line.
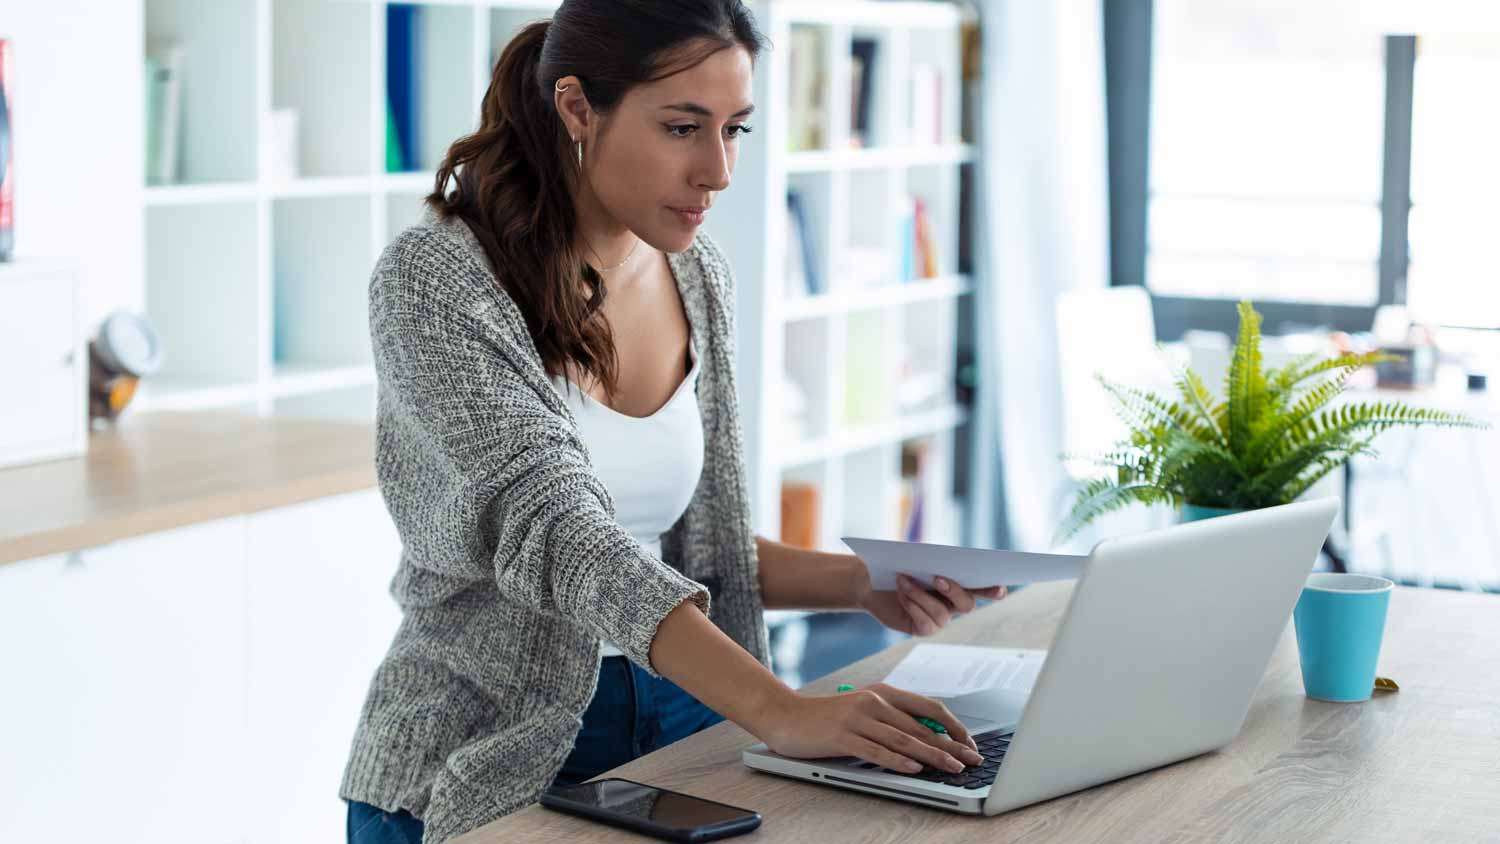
(580, 156)
(559, 87)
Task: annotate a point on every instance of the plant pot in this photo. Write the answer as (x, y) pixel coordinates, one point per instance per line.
(1194, 513)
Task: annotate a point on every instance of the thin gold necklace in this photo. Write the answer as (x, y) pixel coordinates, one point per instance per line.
(628, 256)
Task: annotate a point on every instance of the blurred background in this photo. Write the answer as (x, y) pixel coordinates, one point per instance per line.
(950, 217)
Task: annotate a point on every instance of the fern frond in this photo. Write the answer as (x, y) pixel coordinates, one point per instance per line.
(1351, 361)
(1245, 385)
(1326, 465)
(1276, 434)
(1103, 496)
(1142, 410)
(1195, 393)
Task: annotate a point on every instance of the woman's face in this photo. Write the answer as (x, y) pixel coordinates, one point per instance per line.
(662, 156)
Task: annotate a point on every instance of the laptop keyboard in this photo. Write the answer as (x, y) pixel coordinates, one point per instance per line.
(992, 746)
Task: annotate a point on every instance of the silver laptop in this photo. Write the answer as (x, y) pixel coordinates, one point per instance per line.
(1156, 659)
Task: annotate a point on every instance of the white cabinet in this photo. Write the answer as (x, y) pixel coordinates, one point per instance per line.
(195, 685)
(321, 619)
(43, 364)
(122, 691)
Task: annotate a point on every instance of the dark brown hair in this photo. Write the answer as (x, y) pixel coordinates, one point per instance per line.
(511, 177)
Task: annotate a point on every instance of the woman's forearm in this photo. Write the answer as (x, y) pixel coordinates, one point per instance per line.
(794, 578)
(691, 651)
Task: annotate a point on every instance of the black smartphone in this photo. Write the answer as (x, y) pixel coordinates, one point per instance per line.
(655, 811)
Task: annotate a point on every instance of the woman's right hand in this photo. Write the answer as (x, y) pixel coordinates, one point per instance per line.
(877, 723)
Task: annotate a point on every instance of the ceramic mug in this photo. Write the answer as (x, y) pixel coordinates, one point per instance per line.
(1340, 621)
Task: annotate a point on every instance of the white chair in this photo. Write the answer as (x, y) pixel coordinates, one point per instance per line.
(1110, 331)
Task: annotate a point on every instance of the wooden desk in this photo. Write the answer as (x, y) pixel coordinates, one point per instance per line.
(1418, 765)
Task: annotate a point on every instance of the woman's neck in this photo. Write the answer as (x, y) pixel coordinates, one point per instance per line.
(602, 240)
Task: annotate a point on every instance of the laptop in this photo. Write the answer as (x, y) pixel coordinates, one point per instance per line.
(1160, 649)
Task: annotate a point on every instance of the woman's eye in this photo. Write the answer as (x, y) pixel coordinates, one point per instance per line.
(688, 129)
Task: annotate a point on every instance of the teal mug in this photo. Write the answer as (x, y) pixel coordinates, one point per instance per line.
(1340, 621)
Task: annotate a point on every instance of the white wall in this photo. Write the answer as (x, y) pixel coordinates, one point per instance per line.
(78, 142)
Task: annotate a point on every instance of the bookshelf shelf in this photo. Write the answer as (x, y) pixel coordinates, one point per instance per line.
(416, 182)
(907, 15)
(813, 161)
(852, 298)
(324, 186)
(867, 436)
(211, 192)
(852, 372)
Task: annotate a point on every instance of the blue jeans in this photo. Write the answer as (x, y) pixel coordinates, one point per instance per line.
(630, 715)
(370, 825)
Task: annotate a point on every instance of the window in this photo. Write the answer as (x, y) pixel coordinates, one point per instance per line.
(1265, 156)
(1454, 275)
(1309, 157)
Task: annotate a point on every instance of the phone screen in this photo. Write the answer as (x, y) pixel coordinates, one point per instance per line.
(663, 808)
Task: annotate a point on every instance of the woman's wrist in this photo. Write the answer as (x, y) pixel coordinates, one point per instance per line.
(859, 582)
(765, 707)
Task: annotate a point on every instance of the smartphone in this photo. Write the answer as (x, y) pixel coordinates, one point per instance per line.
(671, 815)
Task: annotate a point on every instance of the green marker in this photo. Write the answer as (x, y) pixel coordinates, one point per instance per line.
(926, 722)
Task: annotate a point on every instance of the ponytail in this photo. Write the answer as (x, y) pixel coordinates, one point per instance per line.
(512, 189)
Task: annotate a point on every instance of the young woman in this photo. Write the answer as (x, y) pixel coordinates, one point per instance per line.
(559, 445)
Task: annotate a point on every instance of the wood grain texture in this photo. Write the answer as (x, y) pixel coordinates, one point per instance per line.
(160, 470)
(1418, 765)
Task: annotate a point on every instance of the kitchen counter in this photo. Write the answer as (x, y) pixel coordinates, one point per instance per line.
(159, 470)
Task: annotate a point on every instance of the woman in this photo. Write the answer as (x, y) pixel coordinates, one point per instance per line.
(558, 443)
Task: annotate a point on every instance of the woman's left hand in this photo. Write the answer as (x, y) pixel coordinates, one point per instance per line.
(917, 610)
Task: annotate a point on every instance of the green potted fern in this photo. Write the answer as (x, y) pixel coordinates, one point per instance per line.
(1271, 438)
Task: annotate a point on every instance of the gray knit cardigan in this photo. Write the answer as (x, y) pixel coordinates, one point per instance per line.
(512, 565)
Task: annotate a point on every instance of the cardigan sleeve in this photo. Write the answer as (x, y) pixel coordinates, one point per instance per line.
(501, 478)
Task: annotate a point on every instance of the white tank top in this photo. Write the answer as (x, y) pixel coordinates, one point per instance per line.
(650, 465)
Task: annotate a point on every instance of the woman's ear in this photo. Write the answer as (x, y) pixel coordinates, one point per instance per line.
(573, 106)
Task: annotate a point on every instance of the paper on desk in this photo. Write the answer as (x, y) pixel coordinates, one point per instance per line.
(971, 568)
(952, 670)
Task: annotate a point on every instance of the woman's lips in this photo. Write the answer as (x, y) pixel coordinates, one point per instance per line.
(690, 216)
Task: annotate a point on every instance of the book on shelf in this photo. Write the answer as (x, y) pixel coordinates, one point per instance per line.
(861, 88)
(914, 456)
(805, 117)
(926, 245)
(925, 120)
(799, 514)
(403, 64)
(395, 158)
(919, 258)
(165, 60)
(805, 242)
(795, 257)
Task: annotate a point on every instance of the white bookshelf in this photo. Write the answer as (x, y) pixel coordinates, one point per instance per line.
(843, 348)
(258, 286)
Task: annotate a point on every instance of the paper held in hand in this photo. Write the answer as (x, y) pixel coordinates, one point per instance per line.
(971, 568)
(938, 670)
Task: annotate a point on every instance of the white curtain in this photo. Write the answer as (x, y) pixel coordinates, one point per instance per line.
(1043, 227)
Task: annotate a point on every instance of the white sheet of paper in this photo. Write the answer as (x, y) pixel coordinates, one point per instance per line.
(971, 568)
(938, 670)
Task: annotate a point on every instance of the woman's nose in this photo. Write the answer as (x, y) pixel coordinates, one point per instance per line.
(714, 168)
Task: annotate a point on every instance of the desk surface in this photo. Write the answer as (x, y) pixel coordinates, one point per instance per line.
(1421, 764)
(161, 470)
